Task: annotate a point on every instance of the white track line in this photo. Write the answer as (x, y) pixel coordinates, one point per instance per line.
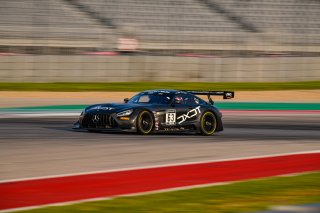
(45, 114)
(226, 112)
(156, 166)
(113, 197)
(72, 113)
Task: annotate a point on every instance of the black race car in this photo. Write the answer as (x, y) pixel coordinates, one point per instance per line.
(157, 111)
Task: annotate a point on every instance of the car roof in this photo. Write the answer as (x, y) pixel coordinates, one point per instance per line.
(171, 91)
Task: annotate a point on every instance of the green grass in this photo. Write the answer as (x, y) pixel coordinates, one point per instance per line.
(139, 86)
(247, 196)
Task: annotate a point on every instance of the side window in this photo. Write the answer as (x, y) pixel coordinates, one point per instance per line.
(144, 99)
(190, 99)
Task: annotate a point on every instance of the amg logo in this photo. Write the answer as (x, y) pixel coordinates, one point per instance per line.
(190, 114)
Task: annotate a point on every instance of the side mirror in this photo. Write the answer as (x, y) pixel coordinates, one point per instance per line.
(126, 100)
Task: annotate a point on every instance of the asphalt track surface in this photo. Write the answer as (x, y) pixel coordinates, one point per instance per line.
(45, 146)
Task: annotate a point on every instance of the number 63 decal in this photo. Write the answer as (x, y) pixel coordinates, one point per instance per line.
(171, 117)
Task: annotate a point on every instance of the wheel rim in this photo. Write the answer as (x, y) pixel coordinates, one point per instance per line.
(209, 123)
(146, 122)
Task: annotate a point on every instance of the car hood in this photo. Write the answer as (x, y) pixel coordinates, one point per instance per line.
(111, 107)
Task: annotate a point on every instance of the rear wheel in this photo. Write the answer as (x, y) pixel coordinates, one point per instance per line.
(208, 123)
(145, 122)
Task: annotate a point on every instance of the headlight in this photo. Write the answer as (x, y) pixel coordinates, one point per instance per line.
(82, 113)
(125, 113)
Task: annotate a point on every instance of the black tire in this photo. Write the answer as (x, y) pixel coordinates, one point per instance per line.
(208, 123)
(145, 122)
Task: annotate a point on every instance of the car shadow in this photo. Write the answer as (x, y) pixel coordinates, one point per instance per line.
(119, 132)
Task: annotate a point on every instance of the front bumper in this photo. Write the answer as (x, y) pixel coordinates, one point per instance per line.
(104, 121)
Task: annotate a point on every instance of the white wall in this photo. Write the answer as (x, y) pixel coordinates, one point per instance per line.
(46, 68)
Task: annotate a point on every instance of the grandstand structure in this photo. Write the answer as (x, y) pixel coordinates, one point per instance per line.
(161, 26)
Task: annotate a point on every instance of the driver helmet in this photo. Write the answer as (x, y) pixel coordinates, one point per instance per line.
(178, 99)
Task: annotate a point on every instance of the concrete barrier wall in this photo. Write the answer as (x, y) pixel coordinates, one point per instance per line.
(46, 68)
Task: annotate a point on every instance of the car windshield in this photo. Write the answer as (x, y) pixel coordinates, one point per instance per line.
(154, 98)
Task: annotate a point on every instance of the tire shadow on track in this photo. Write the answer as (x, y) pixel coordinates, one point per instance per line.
(119, 132)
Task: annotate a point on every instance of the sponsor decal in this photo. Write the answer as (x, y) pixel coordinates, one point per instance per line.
(196, 100)
(190, 114)
(171, 117)
(103, 108)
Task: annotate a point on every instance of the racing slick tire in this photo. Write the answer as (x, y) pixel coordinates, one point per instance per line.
(145, 122)
(208, 123)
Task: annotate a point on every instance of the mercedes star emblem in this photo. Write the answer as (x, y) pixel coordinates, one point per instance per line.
(95, 118)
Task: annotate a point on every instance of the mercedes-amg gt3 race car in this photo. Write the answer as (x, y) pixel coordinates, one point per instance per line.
(157, 111)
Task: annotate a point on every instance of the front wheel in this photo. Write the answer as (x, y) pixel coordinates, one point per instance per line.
(208, 123)
(145, 122)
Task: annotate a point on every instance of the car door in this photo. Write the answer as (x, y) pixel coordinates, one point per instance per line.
(174, 110)
(187, 110)
(165, 113)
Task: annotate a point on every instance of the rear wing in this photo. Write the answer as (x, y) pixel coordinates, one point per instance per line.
(225, 94)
